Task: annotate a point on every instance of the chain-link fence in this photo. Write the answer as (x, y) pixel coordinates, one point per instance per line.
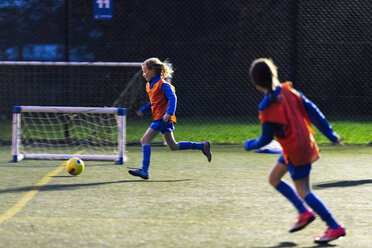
(323, 47)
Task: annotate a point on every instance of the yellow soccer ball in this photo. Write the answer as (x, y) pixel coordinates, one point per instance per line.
(75, 166)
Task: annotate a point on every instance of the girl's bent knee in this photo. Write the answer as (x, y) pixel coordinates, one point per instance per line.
(274, 181)
(144, 142)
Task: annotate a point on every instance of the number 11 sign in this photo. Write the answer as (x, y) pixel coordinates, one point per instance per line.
(103, 9)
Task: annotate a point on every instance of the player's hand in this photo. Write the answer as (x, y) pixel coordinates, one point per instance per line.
(166, 117)
(139, 113)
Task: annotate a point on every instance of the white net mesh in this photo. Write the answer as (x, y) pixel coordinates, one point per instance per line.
(67, 133)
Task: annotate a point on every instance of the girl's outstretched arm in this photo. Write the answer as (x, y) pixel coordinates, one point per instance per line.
(266, 137)
(318, 119)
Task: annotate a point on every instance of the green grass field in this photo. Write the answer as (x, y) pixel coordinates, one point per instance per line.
(225, 131)
(230, 131)
(187, 202)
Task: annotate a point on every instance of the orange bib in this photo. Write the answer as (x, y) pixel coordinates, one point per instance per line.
(299, 145)
(159, 103)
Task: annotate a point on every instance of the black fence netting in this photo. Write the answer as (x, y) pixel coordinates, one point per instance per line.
(323, 47)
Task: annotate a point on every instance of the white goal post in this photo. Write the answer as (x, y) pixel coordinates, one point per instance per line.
(49, 132)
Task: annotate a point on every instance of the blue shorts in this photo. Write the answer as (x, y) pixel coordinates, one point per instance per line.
(162, 126)
(296, 172)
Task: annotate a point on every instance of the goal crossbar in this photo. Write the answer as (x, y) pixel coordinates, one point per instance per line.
(66, 109)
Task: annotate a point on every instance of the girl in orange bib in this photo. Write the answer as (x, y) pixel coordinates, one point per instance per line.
(286, 114)
(163, 102)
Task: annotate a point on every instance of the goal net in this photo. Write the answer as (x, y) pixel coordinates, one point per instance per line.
(47, 132)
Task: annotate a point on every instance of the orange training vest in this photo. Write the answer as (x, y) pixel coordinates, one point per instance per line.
(299, 145)
(159, 103)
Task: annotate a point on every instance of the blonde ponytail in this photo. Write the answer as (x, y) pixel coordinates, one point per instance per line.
(167, 71)
(161, 68)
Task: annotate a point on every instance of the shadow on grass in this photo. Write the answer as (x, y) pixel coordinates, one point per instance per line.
(53, 187)
(346, 183)
(282, 244)
(321, 245)
(291, 244)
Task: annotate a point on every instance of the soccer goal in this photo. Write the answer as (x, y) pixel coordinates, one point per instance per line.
(90, 133)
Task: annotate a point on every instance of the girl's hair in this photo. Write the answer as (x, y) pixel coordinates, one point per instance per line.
(264, 73)
(161, 68)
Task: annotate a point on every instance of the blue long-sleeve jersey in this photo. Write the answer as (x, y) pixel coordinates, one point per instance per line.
(169, 95)
(316, 117)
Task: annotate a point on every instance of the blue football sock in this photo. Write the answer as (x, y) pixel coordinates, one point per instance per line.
(146, 150)
(314, 202)
(286, 190)
(185, 145)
